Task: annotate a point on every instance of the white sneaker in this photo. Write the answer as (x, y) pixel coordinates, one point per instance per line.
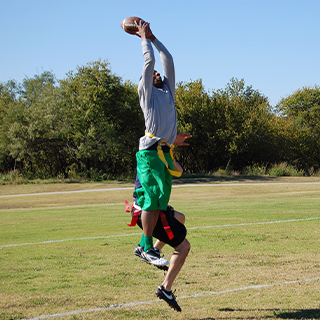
(153, 257)
(138, 250)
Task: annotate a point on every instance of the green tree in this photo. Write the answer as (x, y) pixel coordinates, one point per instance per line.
(90, 121)
(9, 93)
(104, 118)
(34, 127)
(231, 128)
(303, 109)
(248, 123)
(198, 116)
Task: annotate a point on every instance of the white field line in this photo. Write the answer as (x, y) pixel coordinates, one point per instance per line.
(254, 223)
(135, 234)
(64, 192)
(65, 240)
(174, 186)
(197, 295)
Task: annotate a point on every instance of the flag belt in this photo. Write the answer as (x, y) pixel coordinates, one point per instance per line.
(135, 215)
(161, 154)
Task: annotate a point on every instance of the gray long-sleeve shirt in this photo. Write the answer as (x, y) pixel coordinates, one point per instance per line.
(157, 104)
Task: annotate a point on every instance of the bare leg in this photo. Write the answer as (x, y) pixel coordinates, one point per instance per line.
(159, 245)
(180, 216)
(176, 262)
(149, 221)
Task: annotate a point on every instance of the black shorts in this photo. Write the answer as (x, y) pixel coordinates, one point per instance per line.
(178, 229)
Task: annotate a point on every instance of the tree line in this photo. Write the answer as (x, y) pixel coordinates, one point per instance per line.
(89, 123)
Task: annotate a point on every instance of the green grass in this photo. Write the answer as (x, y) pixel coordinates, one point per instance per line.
(89, 263)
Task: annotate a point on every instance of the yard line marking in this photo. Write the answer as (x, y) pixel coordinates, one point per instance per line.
(135, 234)
(197, 295)
(63, 192)
(74, 239)
(253, 223)
(241, 184)
(259, 286)
(174, 186)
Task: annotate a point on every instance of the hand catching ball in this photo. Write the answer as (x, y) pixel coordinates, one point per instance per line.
(129, 25)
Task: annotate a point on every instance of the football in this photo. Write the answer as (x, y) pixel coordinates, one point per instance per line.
(129, 24)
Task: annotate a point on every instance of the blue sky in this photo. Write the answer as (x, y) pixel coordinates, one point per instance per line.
(274, 45)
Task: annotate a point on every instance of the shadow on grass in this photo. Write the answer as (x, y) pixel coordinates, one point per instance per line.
(276, 314)
(299, 314)
(205, 179)
(204, 319)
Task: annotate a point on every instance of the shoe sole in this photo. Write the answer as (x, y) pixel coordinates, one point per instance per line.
(161, 267)
(164, 268)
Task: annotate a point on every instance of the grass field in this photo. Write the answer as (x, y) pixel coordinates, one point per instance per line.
(255, 252)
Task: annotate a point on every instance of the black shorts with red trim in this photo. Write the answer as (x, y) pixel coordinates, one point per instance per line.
(178, 229)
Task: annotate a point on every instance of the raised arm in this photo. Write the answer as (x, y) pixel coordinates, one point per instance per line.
(146, 82)
(145, 32)
(167, 65)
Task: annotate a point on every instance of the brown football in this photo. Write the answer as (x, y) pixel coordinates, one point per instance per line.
(129, 25)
